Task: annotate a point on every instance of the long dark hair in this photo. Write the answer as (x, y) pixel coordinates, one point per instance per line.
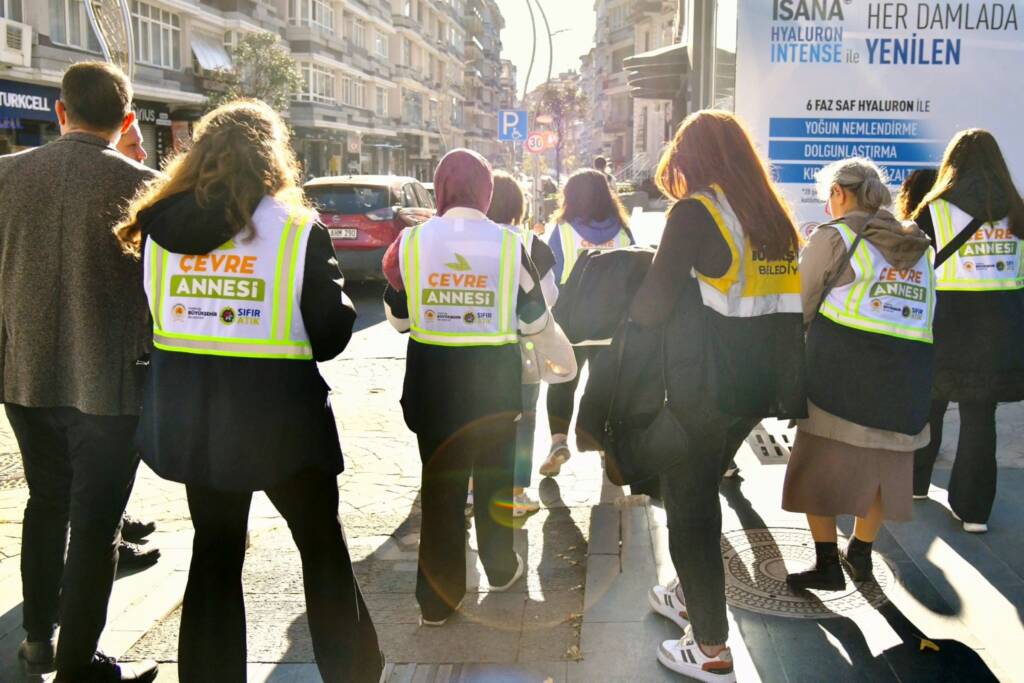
(972, 151)
(588, 197)
(508, 206)
(917, 184)
(242, 152)
(712, 147)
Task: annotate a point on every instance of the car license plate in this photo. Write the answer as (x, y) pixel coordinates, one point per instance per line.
(344, 233)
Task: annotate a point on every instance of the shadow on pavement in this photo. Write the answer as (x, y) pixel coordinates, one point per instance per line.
(806, 648)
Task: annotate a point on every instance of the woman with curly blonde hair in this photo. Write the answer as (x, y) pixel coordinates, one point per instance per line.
(246, 295)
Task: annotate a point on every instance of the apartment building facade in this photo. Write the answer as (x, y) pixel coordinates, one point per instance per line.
(628, 132)
(384, 81)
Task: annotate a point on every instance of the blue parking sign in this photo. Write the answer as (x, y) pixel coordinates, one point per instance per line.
(513, 125)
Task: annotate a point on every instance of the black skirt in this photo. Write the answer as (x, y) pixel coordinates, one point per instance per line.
(236, 424)
(979, 346)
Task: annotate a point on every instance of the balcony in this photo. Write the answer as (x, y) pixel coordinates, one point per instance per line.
(15, 43)
(402, 21)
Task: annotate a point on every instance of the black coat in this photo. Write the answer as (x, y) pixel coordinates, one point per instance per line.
(979, 340)
(243, 424)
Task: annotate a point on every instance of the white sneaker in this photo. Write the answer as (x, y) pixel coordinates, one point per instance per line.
(975, 528)
(557, 456)
(520, 569)
(441, 622)
(523, 505)
(668, 601)
(685, 657)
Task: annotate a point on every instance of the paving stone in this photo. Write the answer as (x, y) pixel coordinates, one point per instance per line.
(623, 652)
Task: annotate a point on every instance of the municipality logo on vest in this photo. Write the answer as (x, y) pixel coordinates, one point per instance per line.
(461, 287)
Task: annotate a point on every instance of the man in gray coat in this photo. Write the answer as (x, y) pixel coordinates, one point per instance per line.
(74, 330)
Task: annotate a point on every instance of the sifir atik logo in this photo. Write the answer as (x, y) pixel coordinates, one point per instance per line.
(808, 10)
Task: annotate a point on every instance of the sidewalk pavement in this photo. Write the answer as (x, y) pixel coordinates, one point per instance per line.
(593, 552)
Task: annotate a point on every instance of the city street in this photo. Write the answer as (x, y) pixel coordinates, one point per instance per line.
(581, 614)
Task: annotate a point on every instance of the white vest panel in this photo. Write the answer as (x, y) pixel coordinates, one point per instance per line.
(241, 299)
(882, 299)
(989, 261)
(462, 282)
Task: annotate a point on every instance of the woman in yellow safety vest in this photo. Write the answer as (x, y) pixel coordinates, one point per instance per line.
(724, 284)
(246, 296)
(975, 217)
(868, 295)
(591, 216)
(464, 289)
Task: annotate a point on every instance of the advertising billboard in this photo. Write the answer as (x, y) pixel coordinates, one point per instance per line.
(821, 80)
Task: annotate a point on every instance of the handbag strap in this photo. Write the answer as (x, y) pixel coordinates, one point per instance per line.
(958, 241)
(619, 355)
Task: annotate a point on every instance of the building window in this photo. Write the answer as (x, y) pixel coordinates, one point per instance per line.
(69, 25)
(318, 84)
(406, 52)
(412, 111)
(407, 10)
(318, 13)
(382, 102)
(359, 33)
(353, 93)
(157, 36)
(456, 113)
(382, 45)
(617, 16)
(10, 9)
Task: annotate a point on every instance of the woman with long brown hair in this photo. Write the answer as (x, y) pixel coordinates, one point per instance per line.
(975, 217)
(725, 286)
(246, 296)
(590, 216)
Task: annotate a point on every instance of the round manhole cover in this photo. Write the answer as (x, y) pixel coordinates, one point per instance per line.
(758, 560)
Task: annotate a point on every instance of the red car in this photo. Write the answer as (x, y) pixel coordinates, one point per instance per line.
(365, 214)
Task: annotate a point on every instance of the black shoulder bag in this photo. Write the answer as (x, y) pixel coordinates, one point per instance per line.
(958, 241)
(636, 452)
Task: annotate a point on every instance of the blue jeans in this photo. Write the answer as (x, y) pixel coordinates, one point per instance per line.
(525, 429)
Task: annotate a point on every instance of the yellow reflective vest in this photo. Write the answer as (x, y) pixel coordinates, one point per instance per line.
(240, 300)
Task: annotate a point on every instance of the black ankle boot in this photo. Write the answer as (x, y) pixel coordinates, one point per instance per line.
(827, 573)
(857, 557)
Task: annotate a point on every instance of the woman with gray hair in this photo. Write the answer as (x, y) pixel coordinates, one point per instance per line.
(868, 291)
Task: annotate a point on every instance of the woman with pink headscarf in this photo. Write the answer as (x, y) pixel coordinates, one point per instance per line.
(464, 289)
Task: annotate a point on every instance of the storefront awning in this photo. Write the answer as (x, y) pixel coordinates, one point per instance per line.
(210, 53)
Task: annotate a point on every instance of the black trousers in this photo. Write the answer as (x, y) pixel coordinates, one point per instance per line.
(484, 449)
(211, 646)
(80, 470)
(562, 397)
(972, 483)
(693, 511)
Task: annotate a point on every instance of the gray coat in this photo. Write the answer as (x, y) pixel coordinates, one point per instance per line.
(72, 308)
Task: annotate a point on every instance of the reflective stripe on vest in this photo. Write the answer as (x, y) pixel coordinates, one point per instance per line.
(240, 300)
(989, 261)
(462, 282)
(573, 245)
(753, 285)
(882, 299)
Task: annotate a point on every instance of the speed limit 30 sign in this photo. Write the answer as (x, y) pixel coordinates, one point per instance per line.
(535, 143)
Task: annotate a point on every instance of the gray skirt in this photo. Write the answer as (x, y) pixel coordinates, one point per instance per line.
(830, 478)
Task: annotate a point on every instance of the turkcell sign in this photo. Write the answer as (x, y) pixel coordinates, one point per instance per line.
(26, 101)
(821, 80)
(513, 125)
